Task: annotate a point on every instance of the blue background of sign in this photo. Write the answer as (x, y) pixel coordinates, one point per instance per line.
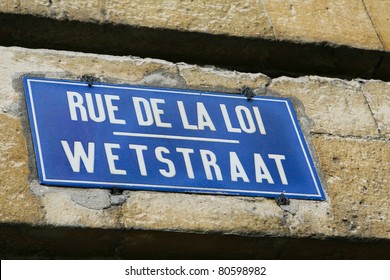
(51, 123)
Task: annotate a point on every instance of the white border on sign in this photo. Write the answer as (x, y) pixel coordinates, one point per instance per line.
(167, 186)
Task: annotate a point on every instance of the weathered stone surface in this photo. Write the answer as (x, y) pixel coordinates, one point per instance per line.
(183, 212)
(240, 18)
(117, 200)
(336, 106)
(9, 66)
(244, 18)
(203, 213)
(64, 9)
(340, 22)
(127, 69)
(91, 198)
(219, 79)
(378, 96)
(379, 12)
(9, 6)
(62, 210)
(357, 173)
(17, 204)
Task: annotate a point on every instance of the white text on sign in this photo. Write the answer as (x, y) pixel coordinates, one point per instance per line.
(151, 112)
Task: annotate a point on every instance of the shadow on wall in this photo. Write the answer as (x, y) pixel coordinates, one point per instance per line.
(273, 58)
(24, 242)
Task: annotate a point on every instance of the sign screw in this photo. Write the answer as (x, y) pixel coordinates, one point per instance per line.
(89, 79)
(282, 200)
(248, 92)
(116, 191)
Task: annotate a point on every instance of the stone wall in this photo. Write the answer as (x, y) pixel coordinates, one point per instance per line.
(277, 48)
(345, 121)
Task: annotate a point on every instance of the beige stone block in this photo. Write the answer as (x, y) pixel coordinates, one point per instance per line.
(379, 11)
(74, 65)
(231, 81)
(357, 173)
(203, 213)
(61, 210)
(337, 107)
(242, 18)
(378, 96)
(9, 6)
(17, 203)
(41, 8)
(343, 22)
(64, 9)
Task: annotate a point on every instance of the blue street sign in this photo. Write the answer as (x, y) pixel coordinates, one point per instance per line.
(143, 138)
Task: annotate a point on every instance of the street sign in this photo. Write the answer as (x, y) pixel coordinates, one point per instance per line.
(144, 138)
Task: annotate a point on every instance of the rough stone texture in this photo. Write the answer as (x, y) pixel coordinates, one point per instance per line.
(64, 9)
(203, 213)
(358, 178)
(62, 210)
(233, 215)
(336, 106)
(17, 204)
(117, 199)
(244, 18)
(379, 12)
(342, 22)
(241, 18)
(144, 71)
(353, 159)
(378, 96)
(212, 78)
(9, 6)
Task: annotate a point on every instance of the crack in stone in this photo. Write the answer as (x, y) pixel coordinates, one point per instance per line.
(373, 25)
(369, 108)
(268, 17)
(352, 137)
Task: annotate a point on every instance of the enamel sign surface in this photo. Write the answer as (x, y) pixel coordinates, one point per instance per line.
(144, 138)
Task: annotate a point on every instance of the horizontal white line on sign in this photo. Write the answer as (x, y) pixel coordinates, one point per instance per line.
(177, 137)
